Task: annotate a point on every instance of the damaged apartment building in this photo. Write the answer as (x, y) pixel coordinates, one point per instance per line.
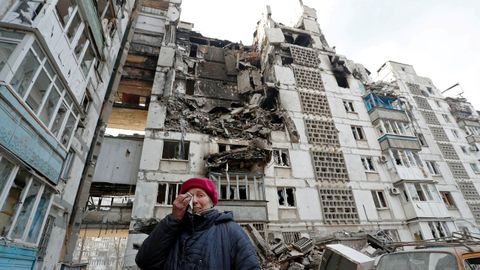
(56, 61)
(299, 141)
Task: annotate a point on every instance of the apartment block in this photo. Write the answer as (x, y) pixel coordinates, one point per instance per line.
(56, 61)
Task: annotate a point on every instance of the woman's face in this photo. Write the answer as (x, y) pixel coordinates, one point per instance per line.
(201, 201)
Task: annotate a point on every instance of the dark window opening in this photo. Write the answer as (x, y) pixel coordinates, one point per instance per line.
(200, 41)
(193, 50)
(190, 87)
(270, 101)
(281, 158)
(175, 150)
(286, 197)
(222, 148)
(289, 38)
(287, 60)
(341, 79)
(303, 40)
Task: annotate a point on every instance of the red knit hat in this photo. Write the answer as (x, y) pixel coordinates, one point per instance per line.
(204, 183)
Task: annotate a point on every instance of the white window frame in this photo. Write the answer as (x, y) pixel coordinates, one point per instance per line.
(23, 195)
(376, 194)
(358, 133)
(169, 186)
(368, 164)
(433, 167)
(349, 107)
(475, 168)
(285, 198)
(281, 151)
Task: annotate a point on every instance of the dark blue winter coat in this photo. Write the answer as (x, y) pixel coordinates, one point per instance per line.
(211, 241)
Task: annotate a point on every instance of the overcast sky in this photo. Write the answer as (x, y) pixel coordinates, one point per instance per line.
(440, 38)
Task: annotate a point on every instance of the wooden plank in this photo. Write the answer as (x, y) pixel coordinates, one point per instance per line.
(135, 87)
(133, 119)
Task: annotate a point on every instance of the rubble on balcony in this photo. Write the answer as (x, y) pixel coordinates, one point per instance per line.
(382, 88)
(242, 159)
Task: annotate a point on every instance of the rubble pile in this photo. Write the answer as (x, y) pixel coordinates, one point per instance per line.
(382, 88)
(240, 159)
(248, 121)
(302, 254)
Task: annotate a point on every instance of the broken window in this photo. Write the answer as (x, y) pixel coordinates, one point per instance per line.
(49, 106)
(69, 128)
(341, 79)
(87, 61)
(37, 92)
(167, 192)
(65, 10)
(286, 196)
(433, 167)
(474, 168)
(446, 118)
(193, 50)
(281, 158)
(28, 10)
(379, 199)
(447, 199)
(73, 27)
(367, 163)
(175, 150)
(25, 207)
(67, 165)
(6, 49)
(25, 73)
(348, 105)
(421, 139)
(358, 133)
(79, 47)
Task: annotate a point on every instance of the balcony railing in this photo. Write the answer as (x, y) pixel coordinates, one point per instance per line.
(374, 101)
(239, 186)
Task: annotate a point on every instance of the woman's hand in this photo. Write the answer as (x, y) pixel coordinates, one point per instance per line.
(180, 206)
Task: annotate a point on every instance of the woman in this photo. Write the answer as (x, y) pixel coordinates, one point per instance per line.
(202, 239)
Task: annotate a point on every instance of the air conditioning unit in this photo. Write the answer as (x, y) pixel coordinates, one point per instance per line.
(394, 191)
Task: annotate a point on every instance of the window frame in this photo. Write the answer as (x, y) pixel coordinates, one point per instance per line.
(448, 199)
(358, 133)
(280, 152)
(475, 168)
(349, 106)
(433, 168)
(368, 164)
(285, 204)
(43, 189)
(187, 151)
(376, 194)
(168, 187)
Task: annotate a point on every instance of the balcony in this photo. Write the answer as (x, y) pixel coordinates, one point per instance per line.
(383, 107)
(394, 141)
(242, 193)
(423, 200)
(472, 139)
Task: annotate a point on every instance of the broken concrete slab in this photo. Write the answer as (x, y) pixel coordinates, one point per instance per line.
(275, 35)
(166, 57)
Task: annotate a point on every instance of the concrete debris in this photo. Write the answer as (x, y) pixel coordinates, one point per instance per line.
(382, 88)
(239, 159)
(248, 121)
(304, 244)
